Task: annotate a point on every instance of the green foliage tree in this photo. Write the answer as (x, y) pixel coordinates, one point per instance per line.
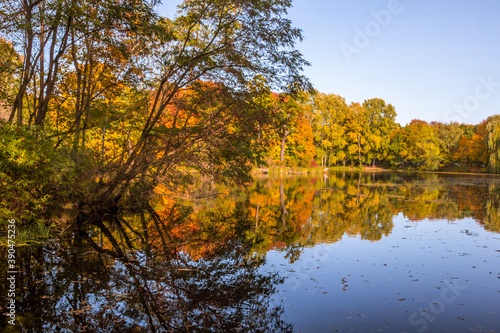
(381, 123)
(289, 111)
(493, 142)
(449, 136)
(397, 147)
(10, 62)
(468, 130)
(356, 126)
(421, 145)
(36, 179)
(328, 116)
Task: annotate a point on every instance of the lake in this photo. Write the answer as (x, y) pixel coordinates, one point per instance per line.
(347, 252)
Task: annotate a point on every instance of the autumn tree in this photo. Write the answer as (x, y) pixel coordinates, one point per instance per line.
(381, 122)
(9, 69)
(421, 145)
(47, 31)
(165, 94)
(289, 111)
(449, 136)
(356, 134)
(468, 130)
(397, 147)
(233, 42)
(328, 112)
(292, 133)
(479, 149)
(300, 148)
(473, 151)
(493, 142)
(263, 101)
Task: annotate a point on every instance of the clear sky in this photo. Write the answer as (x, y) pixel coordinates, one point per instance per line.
(432, 59)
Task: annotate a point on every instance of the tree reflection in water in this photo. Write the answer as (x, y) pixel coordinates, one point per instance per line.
(194, 266)
(70, 287)
(324, 209)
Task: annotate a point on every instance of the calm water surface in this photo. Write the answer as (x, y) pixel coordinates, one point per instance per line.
(349, 252)
(392, 253)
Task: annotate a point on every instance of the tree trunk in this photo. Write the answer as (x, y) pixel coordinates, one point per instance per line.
(47, 87)
(359, 150)
(18, 104)
(283, 143)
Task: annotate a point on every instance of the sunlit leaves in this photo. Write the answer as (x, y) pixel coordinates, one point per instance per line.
(493, 142)
(421, 145)
(10, 63)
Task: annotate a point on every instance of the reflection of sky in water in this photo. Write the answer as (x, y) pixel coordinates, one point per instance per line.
(381, 277)
(366, 286)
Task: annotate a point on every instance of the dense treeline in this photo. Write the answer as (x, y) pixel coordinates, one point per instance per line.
(104, 100)
(321, 129)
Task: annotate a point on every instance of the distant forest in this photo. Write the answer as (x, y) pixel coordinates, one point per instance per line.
(321, 129)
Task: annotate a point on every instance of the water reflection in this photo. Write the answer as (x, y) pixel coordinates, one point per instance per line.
(70, 287)
(314, 210)
(194, 266)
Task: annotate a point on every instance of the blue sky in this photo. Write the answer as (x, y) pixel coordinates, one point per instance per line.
(436, 60)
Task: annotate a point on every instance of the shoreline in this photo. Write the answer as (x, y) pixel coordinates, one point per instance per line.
(320, 170)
